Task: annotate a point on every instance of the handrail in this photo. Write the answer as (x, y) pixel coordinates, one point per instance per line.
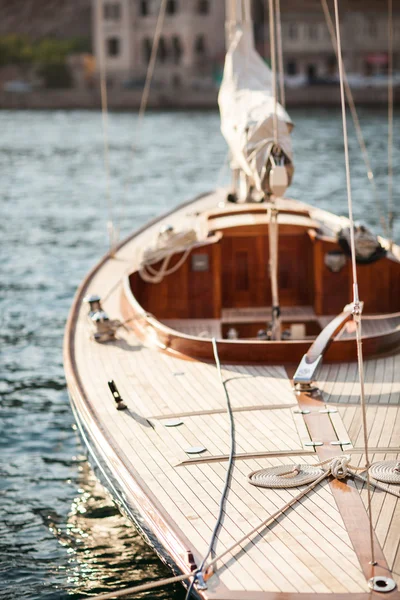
(307, 369)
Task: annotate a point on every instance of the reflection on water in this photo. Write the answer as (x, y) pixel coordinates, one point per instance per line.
(52, 190)
(105, 551)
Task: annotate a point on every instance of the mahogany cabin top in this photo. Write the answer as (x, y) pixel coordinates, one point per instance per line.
(226, 284)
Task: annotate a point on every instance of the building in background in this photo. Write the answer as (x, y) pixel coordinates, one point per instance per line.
(192, 44)
(307, 45)
(191, 47)
(61, 19)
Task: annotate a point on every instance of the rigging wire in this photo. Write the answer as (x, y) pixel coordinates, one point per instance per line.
(152, 62)
(280, 53)
(228, 476)
(390, 120)
(356, 300)
(357, 125)
(146, 92)
(106, 148)
(273, 231)
(273, 66)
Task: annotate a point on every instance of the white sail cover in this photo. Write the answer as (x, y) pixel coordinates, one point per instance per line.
(247, 109)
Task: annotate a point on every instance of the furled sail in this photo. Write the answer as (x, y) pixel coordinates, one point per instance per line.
(247, 107)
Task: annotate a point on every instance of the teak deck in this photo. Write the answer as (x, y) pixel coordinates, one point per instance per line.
(320, 546)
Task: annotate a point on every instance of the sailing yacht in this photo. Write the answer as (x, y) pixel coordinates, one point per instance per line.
(220, 379)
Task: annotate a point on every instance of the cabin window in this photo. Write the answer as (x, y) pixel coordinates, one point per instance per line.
(172, 7)
(177, 49)
(203, 7)
(144, 8)
(147, 44)
(242, 273)
(112, 11)
(200, 45)
(113, 46)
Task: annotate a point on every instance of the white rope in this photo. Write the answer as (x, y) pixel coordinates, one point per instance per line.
(357, 125)
(273, 67)
(280, 52)
(390, 120)
(147, 273)
(356, 300)
(177, 242)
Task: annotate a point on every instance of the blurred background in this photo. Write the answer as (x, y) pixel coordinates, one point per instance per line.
(50, 51)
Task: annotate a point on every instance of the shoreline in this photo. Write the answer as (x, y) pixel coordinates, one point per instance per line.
(180, 99)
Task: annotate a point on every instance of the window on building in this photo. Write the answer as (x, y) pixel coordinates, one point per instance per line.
(200, 45)
(147, 45)
(293, 31)
(372, 29)
(291, 68)
(313, 31)
(162, 50)
(144, 8)
(311, 73)
(203, 7)
(331, 65)
(113, 46)
(172, 7)
(177, 49)
(176, 81)
(112, 11)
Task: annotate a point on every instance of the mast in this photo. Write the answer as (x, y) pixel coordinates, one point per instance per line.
(256, 127)
(237, 12)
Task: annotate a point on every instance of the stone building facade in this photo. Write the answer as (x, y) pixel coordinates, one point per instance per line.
(191, 48)
(61, 19)
(192, 45)
(307, 44)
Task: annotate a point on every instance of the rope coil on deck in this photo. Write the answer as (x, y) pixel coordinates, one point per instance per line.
(387, 471)
(281, 477)
(288, 476)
